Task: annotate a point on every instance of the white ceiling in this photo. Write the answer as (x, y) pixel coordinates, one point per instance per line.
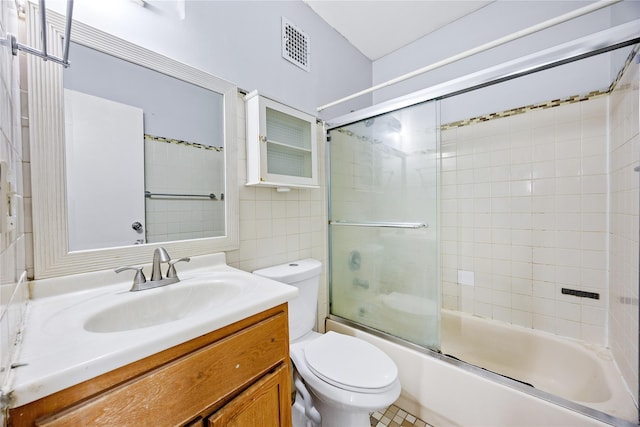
(379, 27)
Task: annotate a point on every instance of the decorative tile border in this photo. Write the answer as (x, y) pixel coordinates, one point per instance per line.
(549, 104)
(521, 110)
(180, 142)
(626, 65)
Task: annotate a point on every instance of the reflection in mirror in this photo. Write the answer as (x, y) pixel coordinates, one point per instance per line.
(130, 150)
(132, 132)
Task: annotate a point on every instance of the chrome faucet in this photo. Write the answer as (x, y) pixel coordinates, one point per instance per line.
(160, 255)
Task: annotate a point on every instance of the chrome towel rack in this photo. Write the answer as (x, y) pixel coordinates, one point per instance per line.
(64, 61)
(381, 224)
(211, 196)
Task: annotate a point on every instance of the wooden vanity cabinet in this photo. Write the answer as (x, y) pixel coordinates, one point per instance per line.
(260, 405)
(236, 376)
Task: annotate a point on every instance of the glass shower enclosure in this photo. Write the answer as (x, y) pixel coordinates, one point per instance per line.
(383, 217)
(521, 194)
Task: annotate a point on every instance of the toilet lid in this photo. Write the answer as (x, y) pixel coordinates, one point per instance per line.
(349, 363)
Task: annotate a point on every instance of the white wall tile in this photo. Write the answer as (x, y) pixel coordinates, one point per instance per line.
(14, 244)
(623, 235)
(276, 228)
(538, 209)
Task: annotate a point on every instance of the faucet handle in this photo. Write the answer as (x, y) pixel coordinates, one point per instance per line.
(138, 279)
(171, 271)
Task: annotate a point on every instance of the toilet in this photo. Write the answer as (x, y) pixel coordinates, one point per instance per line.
(339, 379)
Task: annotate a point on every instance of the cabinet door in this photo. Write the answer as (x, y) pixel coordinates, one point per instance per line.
(177, 392)
(281, 145)
(265, 404)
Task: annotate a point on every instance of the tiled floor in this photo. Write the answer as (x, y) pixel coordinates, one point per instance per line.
(393, 416)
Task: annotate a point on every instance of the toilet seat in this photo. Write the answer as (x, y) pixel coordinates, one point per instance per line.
(350, 363)
(337, 405)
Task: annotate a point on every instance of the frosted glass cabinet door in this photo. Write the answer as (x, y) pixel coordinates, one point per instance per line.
(281, 145)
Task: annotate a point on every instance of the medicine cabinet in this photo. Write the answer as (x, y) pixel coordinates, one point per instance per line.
(281, 145)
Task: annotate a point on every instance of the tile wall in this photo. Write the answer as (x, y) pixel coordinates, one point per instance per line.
(276, 228)
(198, 170)
(13, 286)
(524, 214)
(624, 154)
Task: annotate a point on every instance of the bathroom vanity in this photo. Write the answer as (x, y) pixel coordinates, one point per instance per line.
(236, 373)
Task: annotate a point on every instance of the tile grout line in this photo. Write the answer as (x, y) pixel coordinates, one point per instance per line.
(393, 416)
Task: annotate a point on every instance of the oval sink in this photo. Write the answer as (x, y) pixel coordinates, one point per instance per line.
(161, 305)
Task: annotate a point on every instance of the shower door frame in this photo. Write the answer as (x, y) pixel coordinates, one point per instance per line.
(601, 42)
(405, 225)
(582, 48)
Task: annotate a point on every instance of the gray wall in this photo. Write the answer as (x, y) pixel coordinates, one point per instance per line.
(172, 108)
(240, 41)
(496, 20)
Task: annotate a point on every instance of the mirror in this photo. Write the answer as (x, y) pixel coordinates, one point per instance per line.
(130, 150)
(144, 154)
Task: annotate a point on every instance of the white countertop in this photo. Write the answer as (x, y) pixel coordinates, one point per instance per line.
(57, 352)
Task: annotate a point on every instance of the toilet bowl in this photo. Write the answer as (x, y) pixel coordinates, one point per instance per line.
(339, 379)
(348, 378)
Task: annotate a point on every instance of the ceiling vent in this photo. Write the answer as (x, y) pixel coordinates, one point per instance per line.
(295, 45)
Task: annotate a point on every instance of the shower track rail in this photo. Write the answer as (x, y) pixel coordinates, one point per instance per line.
(591, 45)
(381, 224)
(479, 49)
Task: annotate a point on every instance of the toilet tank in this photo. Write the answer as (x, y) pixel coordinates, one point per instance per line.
(304, 275)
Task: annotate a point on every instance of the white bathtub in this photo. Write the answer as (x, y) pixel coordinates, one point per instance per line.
(453, 394)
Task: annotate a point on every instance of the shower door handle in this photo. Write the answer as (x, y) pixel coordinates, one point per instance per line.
(381, 224)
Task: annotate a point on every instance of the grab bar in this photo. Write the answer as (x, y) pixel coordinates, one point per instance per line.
(382, 224)
(211, 196)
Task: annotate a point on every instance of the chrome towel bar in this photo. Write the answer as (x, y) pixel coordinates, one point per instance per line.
(211, 196)
(381, 224)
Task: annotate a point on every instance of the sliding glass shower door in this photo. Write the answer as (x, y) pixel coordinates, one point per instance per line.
(383, 223)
